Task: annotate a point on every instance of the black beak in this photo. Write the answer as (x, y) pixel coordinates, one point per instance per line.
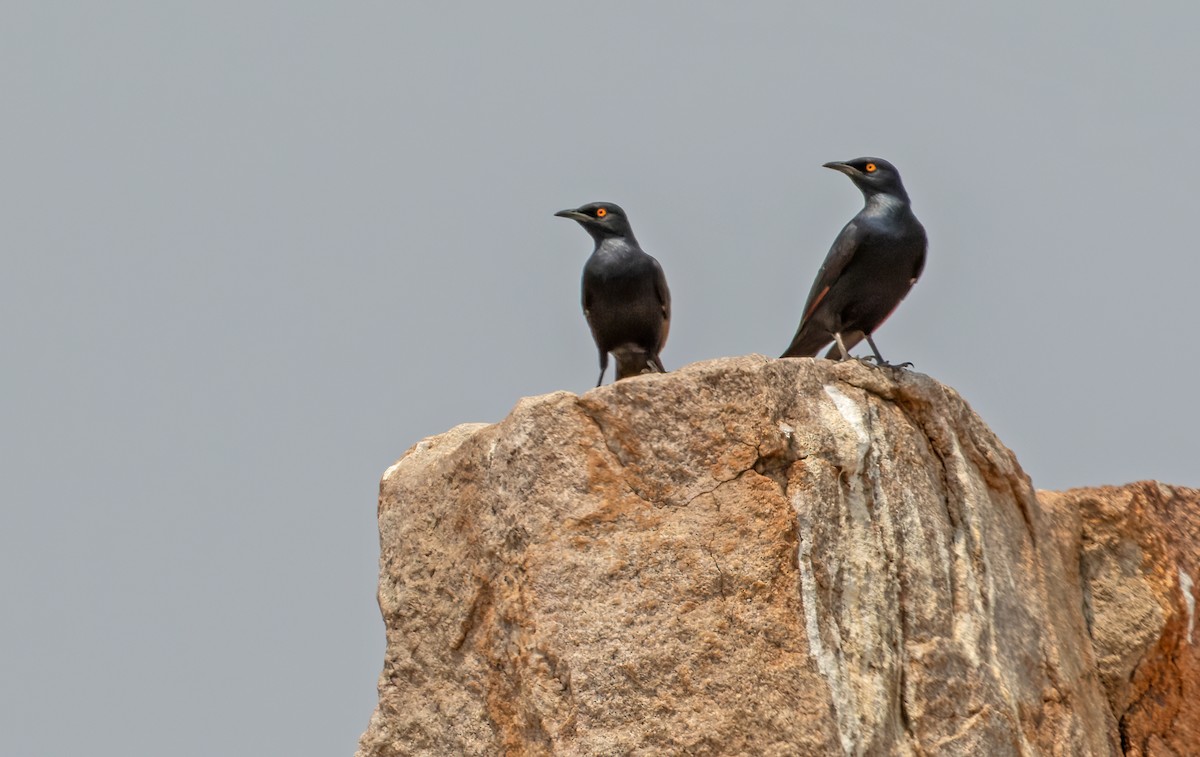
(573, 214)
(845, 168)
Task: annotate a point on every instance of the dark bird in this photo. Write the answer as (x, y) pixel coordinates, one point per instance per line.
(625, 296)
(872, 264)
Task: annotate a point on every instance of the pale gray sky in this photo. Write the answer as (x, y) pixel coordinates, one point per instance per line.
(253, 251)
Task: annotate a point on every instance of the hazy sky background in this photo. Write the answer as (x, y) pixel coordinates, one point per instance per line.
(254, 251)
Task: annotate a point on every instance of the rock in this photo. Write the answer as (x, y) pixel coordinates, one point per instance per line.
(767, 557)
(1135, 550)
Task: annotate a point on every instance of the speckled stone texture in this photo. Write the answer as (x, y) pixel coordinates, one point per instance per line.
(762, 557)
(1135, 550)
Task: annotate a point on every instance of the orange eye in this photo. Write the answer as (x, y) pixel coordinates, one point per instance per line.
(870, 168)
(601, 212)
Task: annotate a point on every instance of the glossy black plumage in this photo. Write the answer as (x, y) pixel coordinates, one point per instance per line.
(625, 296)
(872, 265)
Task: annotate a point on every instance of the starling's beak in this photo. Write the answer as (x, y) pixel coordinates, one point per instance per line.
(573, 214)
(845, 168)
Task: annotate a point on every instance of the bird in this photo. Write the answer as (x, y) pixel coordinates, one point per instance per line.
(871, 266)
(625, 297)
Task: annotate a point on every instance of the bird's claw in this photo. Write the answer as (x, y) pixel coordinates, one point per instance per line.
(875, 362)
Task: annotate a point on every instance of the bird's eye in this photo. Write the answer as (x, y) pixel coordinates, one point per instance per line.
(870, 167)
(601, 212)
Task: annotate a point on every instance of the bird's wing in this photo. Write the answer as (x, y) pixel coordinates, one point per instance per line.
(593, 280)
(664, 300)
(587, 291)
(919, 265)
(840, 254)
(660, 288)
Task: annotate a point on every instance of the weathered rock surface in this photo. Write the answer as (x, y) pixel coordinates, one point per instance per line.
(1135, 550)
(772, 557)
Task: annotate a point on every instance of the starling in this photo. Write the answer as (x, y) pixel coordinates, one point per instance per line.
(872, 264)
(625, 296)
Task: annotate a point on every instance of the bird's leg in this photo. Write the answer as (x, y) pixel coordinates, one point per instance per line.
(879, 361)
(878, 358)
(837, 336)
(603, 367)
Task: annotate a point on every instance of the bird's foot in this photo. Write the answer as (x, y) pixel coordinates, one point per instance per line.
(875, 362)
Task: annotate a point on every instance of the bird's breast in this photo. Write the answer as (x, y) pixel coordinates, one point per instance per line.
(619, 263)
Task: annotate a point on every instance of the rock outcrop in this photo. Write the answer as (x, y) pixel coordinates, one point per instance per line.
(774, 557)
(1135, 552)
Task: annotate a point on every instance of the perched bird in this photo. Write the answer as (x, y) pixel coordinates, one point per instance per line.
(625, 296)
(872, 264)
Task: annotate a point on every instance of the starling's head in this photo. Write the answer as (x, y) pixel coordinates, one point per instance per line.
(873, 176)
(600, 219)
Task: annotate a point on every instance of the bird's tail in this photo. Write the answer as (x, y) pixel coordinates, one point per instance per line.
(808, 341)
(633, 360)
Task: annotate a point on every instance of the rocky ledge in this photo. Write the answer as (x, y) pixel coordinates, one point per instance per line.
(775, 557)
